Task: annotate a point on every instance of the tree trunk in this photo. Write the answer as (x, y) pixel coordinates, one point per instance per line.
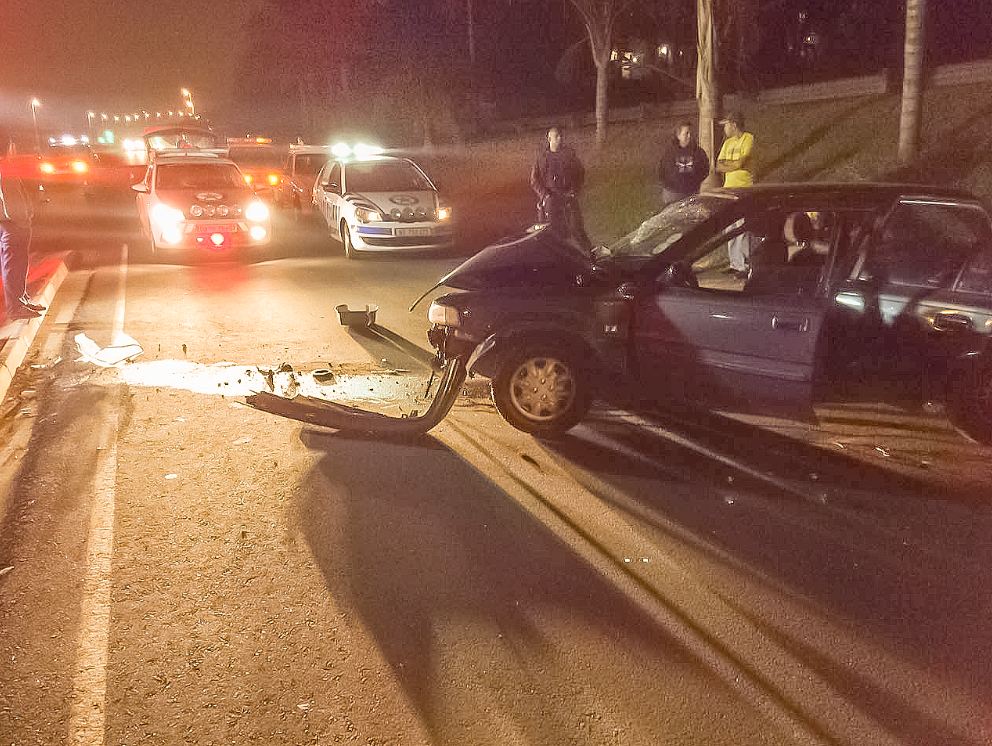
(602, 103)
(707, 87)
(912, 82)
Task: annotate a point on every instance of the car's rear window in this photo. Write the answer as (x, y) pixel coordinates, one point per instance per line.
(310, 164)
(256, 157)
(198, 176)
(391, 176)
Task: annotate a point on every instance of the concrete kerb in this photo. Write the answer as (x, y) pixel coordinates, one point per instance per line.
(15, 348)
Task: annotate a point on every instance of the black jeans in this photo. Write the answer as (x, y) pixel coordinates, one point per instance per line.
(562, 212)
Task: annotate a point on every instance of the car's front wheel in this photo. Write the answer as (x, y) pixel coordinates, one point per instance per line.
(542, 389)
(349, 247)
(971, 404)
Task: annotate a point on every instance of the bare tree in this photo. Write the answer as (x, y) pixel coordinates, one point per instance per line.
(599, 18)
(912, 81)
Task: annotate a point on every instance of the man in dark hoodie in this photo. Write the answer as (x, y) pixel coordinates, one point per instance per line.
(556, 179)
(683, 167)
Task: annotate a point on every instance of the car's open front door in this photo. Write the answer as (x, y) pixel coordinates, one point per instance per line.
(730, 352)
(737, 342)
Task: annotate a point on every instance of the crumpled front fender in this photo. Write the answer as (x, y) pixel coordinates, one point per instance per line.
(343, 417)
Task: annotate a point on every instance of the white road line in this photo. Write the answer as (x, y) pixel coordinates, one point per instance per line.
(87, 714)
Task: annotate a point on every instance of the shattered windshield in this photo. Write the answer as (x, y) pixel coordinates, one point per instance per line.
(660, 231)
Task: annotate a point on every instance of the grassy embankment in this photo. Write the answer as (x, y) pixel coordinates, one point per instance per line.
(842, 140)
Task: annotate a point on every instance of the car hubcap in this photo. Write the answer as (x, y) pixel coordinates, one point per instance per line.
(542, 388)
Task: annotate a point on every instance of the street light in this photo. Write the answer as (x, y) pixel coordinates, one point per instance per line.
(35, 103)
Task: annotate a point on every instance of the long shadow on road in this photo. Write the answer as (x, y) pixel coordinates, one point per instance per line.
(860, 547)
(490, 623)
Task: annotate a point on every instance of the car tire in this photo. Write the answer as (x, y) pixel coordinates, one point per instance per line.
(542, 388)
(349, 247)
(970, 404)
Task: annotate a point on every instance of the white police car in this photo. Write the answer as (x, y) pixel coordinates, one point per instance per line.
(374, 202)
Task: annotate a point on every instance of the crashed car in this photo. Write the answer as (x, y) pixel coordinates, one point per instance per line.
(872, 291)
(854, 291)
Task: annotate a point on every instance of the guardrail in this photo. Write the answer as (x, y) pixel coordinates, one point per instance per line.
(964, 73)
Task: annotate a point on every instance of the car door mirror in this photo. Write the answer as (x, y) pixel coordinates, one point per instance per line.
(679, 275)
(140, 188)
(332, 187)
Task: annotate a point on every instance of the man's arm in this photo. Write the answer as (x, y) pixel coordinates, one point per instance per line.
(725, 165)
(537, 180)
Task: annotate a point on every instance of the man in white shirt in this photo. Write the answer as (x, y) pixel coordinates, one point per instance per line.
(15, 239)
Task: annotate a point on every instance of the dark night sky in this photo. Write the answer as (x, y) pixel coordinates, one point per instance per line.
(112, 54)
(123, 54)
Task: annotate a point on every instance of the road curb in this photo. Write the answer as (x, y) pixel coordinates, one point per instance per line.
(15, 348)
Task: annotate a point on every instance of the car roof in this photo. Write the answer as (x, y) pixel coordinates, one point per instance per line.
(373, 159)
(309, 149)
(186, 157)
(873, 191)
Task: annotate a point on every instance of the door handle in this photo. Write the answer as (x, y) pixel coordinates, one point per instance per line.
(790, 325)
(951, 322)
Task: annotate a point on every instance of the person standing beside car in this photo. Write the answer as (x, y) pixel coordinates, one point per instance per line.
(16, 214)
(683, 167)
(734, 162)
(557, 178)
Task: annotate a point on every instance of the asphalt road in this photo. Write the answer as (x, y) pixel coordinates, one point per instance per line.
(186, 570)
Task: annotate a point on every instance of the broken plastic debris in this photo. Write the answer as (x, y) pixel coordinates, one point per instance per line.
(304, 706)
(626, 560)
(43, 366)
(172, 476)
(813, 476)
(323, 375)
(883, 451)
(5, 570)
(122, 351)
(729, 500)
(284, 368)
(242, 441)
(840, 445)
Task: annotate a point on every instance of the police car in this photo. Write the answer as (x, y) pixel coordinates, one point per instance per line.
(373, 202)
(192, 199)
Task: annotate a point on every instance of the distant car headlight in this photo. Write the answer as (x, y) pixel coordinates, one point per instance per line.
(165, 216)
(248, 179)
(258, 233)
(443, 213)
(443, 315)
(80, 167)
(367, 216)
(196, 211)
(47, 168)
(273, 179)
(257, 212)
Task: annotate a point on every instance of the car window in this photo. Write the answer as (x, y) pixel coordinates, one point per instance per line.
(977, 276)
(198, 176)
(334, 176)
(309, 165)
(782, 253)
(256, 157)
(660, 231)
(385, 176)
(925, 244)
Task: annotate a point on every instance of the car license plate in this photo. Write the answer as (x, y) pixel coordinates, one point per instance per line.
(215, 228)
(413, 231)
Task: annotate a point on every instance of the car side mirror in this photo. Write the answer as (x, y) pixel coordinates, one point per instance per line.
(140, 188)
(678, 274)
(331, 188)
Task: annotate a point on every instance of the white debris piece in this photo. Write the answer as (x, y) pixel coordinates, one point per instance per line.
(123, 350)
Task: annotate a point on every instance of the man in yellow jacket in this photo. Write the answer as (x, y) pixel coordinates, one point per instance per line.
(734, 162)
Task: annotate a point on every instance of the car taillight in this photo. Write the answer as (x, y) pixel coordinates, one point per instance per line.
(273, 179)
(80, 167)
(248, 179)
(47, 168)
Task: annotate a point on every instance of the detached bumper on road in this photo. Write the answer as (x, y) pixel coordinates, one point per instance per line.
(351, 419)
